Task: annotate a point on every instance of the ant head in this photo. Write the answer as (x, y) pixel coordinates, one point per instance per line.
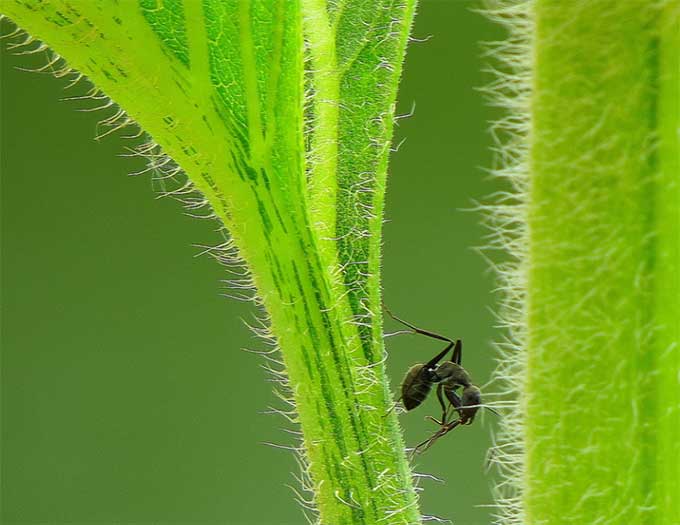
(470, 403)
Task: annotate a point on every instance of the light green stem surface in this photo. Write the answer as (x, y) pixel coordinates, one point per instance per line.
(601, 395)
(292, 162)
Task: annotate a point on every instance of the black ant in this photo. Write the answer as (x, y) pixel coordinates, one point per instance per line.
(449, 377)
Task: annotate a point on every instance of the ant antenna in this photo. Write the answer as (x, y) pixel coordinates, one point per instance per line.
(491, 410)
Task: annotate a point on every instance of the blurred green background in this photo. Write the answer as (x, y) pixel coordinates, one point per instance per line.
(126, 397)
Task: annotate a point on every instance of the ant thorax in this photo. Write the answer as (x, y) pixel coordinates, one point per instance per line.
(453, 374)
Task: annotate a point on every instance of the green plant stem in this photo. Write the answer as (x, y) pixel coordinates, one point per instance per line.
(601, 399)
(324, 148)
(667, 299)
(219, 86)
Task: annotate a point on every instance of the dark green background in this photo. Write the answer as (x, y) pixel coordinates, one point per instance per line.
(126, 397)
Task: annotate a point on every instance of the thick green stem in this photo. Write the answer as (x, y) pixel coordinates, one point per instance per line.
(601, 398)
(593, 297)
(667, 302)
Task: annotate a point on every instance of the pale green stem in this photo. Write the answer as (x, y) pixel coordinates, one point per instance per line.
(601, 398)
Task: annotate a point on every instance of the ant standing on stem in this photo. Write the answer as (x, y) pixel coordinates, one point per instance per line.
(449, 377)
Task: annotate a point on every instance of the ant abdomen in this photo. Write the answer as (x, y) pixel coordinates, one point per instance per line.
(416, 386)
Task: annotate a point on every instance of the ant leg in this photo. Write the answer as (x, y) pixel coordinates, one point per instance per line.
(416, 329)
(441, 423)
(426, 444)
(492, 410)
(393, 406)
(435, 420)
(445, 409)
(422, 447)
(453, 398)
(457, 355)
(430, 364)
(442, 403)
(454, 402)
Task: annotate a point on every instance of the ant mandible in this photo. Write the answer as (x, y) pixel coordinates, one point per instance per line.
(449, 377)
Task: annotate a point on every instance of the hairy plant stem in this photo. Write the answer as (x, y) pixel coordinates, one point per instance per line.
(219, 86)
(590, 145)
(601, 398)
